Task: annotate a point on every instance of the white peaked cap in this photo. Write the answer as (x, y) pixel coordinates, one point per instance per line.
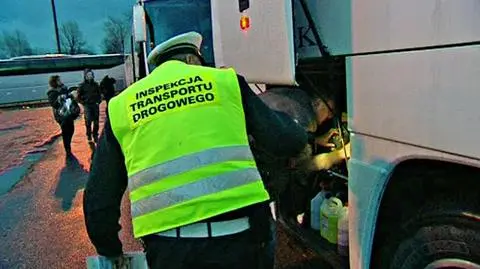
(190, 39)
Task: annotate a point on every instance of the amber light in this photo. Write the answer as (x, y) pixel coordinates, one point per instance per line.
(244, 22)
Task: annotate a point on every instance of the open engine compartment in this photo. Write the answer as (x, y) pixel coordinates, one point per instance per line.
(295, 188)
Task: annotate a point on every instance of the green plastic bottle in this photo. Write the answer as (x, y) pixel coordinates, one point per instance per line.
(330, 212)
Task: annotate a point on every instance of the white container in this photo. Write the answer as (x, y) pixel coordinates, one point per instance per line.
(136, 260)
(315, 207)
(342, 239)
(329, 219)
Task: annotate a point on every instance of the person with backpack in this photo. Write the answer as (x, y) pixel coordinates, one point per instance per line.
(65, 110)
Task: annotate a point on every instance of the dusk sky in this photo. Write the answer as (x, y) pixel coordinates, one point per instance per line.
(34, 18)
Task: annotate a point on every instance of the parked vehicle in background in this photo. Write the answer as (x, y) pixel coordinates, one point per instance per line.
(23, 79)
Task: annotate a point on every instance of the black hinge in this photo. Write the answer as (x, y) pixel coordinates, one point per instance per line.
(243, 5)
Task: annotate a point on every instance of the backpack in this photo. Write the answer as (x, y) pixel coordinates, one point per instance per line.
(69, 108)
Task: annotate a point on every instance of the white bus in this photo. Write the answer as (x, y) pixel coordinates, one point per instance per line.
(408, 72)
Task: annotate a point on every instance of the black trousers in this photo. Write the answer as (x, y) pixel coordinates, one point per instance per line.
(92, 113)
(237, 251)
(68, 128)
(106, 107)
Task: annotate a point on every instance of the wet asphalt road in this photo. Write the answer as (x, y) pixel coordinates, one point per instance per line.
(41, 218)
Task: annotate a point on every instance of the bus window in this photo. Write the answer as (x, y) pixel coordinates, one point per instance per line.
(170, 18)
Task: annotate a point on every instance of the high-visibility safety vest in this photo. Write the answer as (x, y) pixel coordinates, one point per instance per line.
(183, 134)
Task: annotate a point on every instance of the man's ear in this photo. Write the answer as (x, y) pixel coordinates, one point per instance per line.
(192, 59)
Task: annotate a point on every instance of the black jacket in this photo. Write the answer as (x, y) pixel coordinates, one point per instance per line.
(89, 93)
(53, 94)
(108, 176)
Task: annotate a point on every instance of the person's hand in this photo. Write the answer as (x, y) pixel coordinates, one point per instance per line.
(327, 160)
(323, 139)
(322, 161)
(119, 262)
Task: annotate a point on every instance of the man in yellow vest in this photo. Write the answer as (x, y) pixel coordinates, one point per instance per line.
(179, 140)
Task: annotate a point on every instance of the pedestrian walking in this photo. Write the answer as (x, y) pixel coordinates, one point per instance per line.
(65, 110)
(90, 97)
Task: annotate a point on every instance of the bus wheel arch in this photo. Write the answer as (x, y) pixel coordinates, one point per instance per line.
(422, 198)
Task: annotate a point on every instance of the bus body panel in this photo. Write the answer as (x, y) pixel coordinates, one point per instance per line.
(379, 25)
(372, 163)
(362, 26)
(427, 98)
(428, 110)
(264, 53)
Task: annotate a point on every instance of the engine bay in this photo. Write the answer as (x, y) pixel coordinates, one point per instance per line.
(307, 195)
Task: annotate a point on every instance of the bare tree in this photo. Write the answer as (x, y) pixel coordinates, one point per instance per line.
(14, 44)
(71, 38)
(3, 52)
(116, 33)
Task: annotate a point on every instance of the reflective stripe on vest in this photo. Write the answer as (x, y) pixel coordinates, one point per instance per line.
(194, 190)
(189, 162)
